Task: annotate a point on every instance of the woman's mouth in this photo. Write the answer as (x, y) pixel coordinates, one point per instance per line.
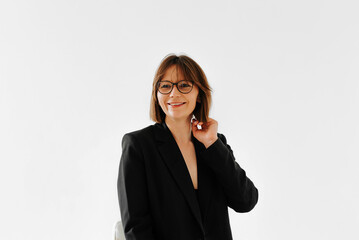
(176, 104)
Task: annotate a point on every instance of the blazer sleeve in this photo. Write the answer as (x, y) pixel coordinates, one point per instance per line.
(133, 193)
(240, 191)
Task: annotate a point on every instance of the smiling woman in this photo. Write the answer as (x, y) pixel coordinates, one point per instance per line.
(178, 177)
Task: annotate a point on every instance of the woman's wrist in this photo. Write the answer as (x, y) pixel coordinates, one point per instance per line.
(210, 142)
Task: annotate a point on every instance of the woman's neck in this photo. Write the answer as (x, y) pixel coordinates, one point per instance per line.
(180, 129)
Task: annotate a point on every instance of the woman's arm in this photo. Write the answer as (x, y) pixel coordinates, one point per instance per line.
(133, 193)
(240, 191)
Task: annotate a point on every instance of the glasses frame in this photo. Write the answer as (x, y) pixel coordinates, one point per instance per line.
(172, 84)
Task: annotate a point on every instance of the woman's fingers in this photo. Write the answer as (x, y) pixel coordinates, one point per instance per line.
(197, 126)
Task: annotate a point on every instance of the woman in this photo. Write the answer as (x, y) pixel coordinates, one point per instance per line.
(178, 177)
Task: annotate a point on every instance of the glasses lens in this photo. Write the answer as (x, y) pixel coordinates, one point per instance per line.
(185, 86)
(164, 87)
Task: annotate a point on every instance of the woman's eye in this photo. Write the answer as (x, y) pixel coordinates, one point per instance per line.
(184, 85)
(165, 86)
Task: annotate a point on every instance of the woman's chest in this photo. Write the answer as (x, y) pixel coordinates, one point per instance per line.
(189, 155)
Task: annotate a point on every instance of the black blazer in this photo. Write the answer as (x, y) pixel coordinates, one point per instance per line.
(156, 194)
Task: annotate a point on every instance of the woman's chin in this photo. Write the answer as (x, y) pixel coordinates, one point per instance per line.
(178, 118)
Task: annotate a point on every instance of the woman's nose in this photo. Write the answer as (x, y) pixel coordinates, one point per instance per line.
(174, 91)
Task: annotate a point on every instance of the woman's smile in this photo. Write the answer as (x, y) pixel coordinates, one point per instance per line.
(176, 104)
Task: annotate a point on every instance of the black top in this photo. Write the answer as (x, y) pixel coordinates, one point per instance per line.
(196, 191)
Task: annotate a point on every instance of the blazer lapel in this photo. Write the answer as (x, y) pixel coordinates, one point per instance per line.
(171, 155)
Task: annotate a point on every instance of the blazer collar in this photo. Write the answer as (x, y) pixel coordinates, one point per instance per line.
(163, 134)
(172, 157)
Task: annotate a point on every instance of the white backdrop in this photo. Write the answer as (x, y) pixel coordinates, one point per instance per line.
(76, 75)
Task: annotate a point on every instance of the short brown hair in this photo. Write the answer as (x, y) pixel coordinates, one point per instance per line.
(191, 71)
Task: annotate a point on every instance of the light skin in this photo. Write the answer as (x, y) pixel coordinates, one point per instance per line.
(178, 118)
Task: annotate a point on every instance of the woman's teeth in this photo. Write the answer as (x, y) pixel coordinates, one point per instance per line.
(175, 104)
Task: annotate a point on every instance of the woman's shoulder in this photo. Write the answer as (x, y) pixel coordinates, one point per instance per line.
(222, 137)
(144, 137)
(143, 134)
(140, 133)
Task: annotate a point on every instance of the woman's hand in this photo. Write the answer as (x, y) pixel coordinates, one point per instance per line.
(208, 134)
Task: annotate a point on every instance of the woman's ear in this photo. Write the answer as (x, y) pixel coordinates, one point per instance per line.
(198, 99)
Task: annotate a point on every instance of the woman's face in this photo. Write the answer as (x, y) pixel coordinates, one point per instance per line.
(187, 101)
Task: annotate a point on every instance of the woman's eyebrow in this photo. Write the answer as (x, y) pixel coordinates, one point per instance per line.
(171, 81)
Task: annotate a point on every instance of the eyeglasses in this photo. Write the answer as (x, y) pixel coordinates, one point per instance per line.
(183, 86)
